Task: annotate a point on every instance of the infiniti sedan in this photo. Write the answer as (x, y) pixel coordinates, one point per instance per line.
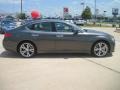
(56, 36)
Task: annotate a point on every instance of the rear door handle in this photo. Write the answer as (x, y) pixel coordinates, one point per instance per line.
(60, 36)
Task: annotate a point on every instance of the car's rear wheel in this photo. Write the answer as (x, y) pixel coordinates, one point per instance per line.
(27, 49)
(100, 49)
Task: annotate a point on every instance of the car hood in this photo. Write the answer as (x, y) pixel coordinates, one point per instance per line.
(95, 32)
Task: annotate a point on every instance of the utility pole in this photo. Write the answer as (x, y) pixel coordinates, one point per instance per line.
(104, 15)
(21, 6)
(83, 4)
(95, 12)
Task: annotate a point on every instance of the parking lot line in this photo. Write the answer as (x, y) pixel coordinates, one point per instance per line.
(103, 66)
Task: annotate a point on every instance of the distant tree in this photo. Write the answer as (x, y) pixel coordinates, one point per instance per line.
(21, 16)
(87, 14)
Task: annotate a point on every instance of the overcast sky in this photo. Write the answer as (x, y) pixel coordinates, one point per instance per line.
(55, 7)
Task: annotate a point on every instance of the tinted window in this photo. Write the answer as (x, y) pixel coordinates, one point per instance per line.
(43, 26)
(62, 27)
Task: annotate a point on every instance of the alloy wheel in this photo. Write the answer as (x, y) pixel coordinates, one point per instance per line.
(101, 49)
(27, 50)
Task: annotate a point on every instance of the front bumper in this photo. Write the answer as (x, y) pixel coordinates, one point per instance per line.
(112, 44)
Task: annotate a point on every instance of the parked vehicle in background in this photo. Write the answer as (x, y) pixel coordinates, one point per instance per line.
(69, 21)
(80, 22)
(18, 23)
(6, 25)
(26, 21)
(56, 36)
(9, 18)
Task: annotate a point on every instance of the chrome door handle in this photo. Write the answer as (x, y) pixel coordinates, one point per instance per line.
(59, 36)
(35, 35)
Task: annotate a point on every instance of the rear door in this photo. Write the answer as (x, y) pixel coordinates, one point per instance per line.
(43, 36)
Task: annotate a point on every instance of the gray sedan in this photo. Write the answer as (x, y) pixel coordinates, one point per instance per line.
(56, 36)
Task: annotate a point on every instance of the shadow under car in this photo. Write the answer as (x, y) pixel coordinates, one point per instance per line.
(8, 54)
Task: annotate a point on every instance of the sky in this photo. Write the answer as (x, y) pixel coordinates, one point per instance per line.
(55, 7)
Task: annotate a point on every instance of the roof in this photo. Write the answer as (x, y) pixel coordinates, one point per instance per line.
(42, 20)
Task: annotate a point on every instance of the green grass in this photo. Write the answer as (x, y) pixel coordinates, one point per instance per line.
(98, 25)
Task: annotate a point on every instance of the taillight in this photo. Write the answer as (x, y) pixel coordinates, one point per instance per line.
(7, 35)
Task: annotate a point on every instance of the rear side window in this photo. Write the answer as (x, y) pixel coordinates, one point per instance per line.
(43, 26)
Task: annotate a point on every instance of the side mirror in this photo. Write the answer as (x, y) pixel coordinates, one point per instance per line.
(75, 32)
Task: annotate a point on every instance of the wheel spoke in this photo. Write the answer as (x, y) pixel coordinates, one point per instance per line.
(28, 53)
(31, 50)
(24, 51)
(99, 44)
(96, 49)
(99, 52)
(28, 46)
(104, 51)
(23, 47)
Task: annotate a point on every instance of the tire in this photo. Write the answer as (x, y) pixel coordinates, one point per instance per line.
(100, 49)
(27, 49)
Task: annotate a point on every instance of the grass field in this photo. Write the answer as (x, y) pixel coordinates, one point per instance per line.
(103, 24)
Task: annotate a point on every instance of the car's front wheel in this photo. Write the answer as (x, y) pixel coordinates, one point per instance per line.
(27, 49)
(100, 49)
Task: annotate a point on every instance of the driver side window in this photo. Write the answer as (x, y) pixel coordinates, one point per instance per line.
(62, 27)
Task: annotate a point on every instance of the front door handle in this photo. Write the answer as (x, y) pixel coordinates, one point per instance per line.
(60, 36)
(35, 35)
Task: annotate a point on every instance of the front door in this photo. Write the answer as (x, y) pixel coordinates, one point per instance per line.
(66, 40)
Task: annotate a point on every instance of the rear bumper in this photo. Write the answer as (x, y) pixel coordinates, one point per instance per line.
(10, 45)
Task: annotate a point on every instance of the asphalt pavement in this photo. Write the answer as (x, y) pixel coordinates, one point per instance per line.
(61, 71)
